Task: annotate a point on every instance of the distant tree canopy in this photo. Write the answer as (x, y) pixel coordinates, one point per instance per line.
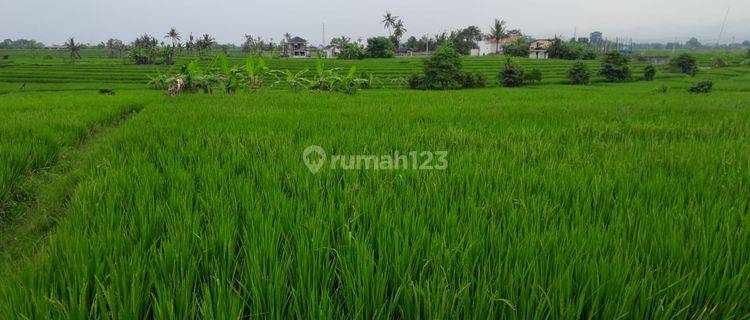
(693, 44)
(596, 37)
(380, 47)
(570, 50)
(21, 44)
(519, 48)
(351, 51)
(746, 43)
(463, 40)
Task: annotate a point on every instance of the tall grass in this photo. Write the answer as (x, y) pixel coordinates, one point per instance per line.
(594, 202)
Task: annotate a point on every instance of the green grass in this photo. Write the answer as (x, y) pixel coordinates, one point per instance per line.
(610, 201)
(36, 127)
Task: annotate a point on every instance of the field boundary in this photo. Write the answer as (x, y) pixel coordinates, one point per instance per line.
(30, 220)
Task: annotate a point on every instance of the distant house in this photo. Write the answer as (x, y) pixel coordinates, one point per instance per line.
(490, 46)
(538, 49)
(55, 47)
(330, 51)
(297, 48)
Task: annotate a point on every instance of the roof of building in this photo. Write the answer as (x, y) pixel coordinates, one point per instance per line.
(297, 40)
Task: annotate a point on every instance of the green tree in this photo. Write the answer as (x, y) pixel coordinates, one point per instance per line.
(649, 72)
(380, 47)
(351, 51)
(389, 22)
(497, 32)
(74, 49)
(519, 48)
(615, 67)
(512, 75)
(174, 36)
(684, 63)
(693, 44)
(596, 37)
(443, 69)
(579, 73)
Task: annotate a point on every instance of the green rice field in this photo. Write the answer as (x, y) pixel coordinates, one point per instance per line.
(607, 201)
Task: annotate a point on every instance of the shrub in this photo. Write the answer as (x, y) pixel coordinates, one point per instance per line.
(579, 73)
(615, 67)
(443, 69)
(719, 62)
(649, 72)
(380, 47)
(748, 54)
(473, 80)
(352, 51)
(512, 75)
(417, 82)
(533, 76)
(684, 63)
(702, 87)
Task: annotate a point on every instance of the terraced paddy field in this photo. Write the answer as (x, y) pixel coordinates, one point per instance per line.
(88, 73)
(609, 201)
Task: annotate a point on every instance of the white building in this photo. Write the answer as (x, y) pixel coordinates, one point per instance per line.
(490, 47)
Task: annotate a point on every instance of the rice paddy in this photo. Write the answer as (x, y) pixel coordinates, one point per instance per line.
(608, 201)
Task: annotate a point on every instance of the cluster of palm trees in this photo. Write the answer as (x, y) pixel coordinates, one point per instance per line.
(394, 25)
(203, 43)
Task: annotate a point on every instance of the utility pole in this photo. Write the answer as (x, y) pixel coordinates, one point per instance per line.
(428, 44)
(324, 34)
(723, 24)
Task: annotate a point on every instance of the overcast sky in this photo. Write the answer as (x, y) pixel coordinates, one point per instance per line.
(53, 21)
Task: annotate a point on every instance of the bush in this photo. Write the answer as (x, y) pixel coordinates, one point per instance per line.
(443, 69)
(417, 82)
(702, 87)
(649, 72)
(615, 67)
(684, 63)
(380, 47)
(352, 51)
(533, 76)
(579, 73)
(473, 80)
(719, 62)
(748, 54)
(512, 75)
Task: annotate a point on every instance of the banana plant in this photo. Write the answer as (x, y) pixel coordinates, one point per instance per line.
(295, 81)
(230, 76)
(256, 71)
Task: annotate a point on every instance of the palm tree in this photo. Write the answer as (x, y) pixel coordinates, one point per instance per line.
(205, 43)
(389, 21)
(399, 30)
(497, 32)
(74, 49)
(174, 35)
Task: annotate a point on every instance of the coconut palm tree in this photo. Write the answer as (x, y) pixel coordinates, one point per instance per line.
(74, 49)
(399, 30)
(174, 35)
(205, 42)
(497, 32)
(389, 21)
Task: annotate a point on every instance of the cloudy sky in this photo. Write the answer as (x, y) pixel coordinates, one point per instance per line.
(53, 21)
